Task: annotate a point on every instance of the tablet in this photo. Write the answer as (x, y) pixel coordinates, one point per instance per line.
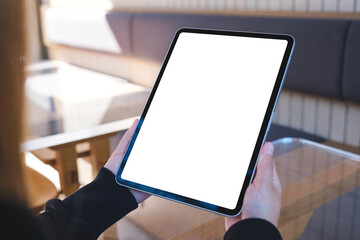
(201, 131)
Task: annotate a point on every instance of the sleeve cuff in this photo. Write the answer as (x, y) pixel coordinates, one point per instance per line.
(253, 228)
(101, 203)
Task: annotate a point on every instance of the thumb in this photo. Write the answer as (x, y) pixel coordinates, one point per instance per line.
(124, 142)
(265, 165)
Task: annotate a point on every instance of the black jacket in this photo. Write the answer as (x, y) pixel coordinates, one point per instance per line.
(89, 211)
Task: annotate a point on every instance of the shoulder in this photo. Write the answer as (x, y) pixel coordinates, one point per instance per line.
(18, 223)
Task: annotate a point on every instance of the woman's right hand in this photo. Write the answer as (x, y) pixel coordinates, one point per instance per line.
(263, 196)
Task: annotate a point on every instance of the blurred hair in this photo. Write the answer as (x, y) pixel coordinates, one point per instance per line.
(12, 52)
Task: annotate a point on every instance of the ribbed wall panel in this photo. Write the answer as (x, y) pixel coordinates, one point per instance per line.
(247, 5)
(334, 120)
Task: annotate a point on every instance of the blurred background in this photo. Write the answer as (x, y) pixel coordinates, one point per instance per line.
(78, 66)
(91, 65)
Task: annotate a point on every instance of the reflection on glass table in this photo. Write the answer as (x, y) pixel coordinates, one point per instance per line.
(321, 198)
(61, 97)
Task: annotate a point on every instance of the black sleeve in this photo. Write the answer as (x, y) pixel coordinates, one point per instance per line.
(89, 211)
(253, 229)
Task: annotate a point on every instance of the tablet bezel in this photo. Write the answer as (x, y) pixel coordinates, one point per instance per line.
(260, 140)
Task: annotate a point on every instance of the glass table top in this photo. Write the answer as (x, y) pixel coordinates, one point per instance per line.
(320, 200)
(321, 185)
(297, 159)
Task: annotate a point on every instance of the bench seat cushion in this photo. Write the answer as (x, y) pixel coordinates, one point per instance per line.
(351, 78)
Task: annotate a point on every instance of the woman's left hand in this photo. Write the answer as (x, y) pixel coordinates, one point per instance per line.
(117, 157)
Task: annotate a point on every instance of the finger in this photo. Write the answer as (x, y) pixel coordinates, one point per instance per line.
(120, 149)
(116, 158)
(265, 166)
(275, 174)
(276, 179)
(128, 135)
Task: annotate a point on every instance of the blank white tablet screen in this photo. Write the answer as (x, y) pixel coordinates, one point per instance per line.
(200, 131)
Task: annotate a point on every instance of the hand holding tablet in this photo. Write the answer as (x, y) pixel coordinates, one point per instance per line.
(263, 196)
(198, 139)
(117, 157)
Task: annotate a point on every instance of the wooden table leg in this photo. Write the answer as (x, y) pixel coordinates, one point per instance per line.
(99, 153)
(66, 165)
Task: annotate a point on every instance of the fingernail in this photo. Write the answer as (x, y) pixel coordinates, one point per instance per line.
(270, 149)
